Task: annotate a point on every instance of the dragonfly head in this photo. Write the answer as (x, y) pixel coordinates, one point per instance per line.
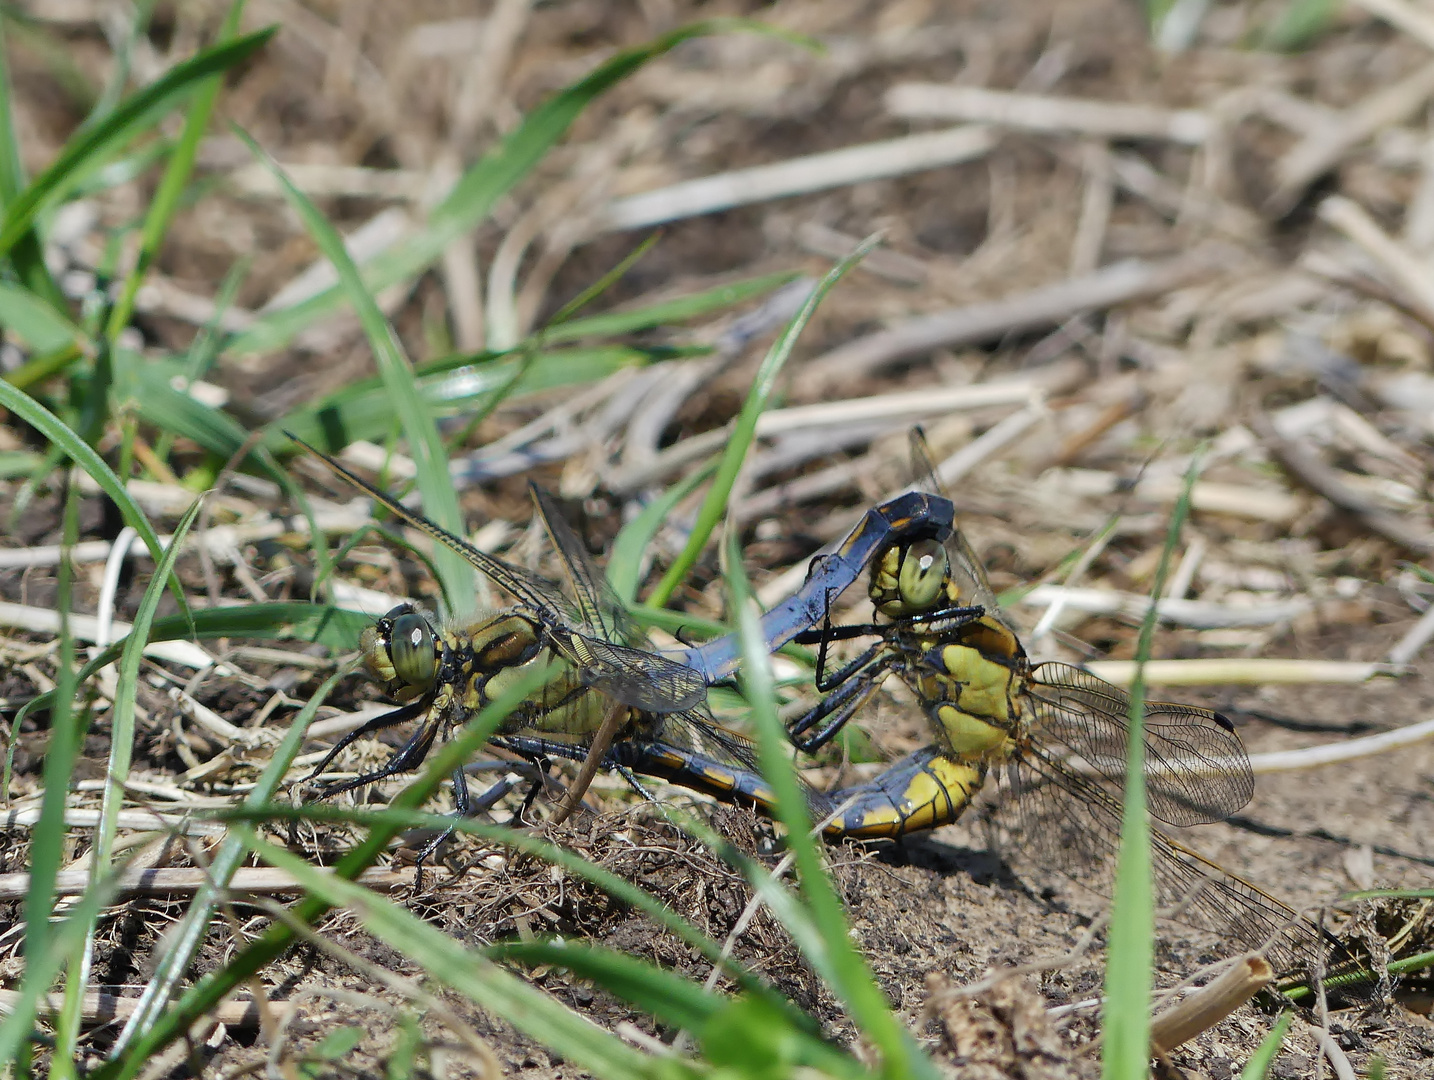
(913, 578)
(401, 651)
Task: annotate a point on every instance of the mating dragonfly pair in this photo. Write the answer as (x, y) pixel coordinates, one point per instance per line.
(1053, 736)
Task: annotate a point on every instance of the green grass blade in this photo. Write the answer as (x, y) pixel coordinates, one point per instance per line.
(184, 940)
(27, 256)
(668, 312)
(17, 1028)
(624, 563)
(1258, 1067)
(517, 840)
(472, 198)
(744, 430)
(122, 734)
(756, 1033)
(470, 973)
(47, 838)
(171, 186)
(212, 988)
(62, 439)
(440, 502)
(92, 146)
(451, 385)
(852, 978)
(1299, 23)
(40, 325)
(1125, 1049)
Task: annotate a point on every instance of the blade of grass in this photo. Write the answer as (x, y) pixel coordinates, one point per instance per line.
(1125, 1048)
(17, 1029)
(496, 173)
(122, 734)
(90, 147)
(852, 978)
(1258, 1067)
(27, 255)
(213, 987)
(62, 439)
(618, 888)
(470, 973)
(453, 384)
(756, 1032)
(183, 941)
(744, 429)
(171, 186)
(62, 751)
(625, 560)
(43, 327)
(440, 502)
(667, 312)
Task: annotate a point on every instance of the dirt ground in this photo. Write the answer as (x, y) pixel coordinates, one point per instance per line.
(378, 86)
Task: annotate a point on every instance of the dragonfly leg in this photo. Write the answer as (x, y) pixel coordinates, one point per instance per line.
(834, 710)
(462, 808)
(378, 723)
(405, 759)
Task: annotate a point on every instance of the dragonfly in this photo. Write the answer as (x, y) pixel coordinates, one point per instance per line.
(614, 703)
(1053, 737)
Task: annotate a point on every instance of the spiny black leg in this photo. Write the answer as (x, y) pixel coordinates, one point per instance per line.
(836, 709)
(461, 809)
(378, 723)
(407, 758)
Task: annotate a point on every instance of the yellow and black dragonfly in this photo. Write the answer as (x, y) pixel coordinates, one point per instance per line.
(614, 703)
(1054, 736)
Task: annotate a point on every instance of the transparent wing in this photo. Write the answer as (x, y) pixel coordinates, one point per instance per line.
(600, 648)
(632, 676)
(1197, 770)
(1071, 823)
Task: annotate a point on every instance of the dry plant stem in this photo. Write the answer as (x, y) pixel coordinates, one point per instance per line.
(23, 817)
(1095, 209)
(164, 881)
(817, 172)
(904, 407)
(1313, 757)
(1320, 478)
(1338, 1059)
(102, 1008)
(1409, 645)
(1047, 306)
(1037, 112)
(1211, 1004)
(1406, 269)
(1417, 23)
(596, 752)
(1252, 671)
(1324, 148)
(1201, 614)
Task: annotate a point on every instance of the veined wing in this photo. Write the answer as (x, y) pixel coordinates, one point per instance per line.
(1197, 770)
(631, 676)
(1071, 823)
(606, 659)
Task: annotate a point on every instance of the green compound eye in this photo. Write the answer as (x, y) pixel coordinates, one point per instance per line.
(410, 648)
(922, 578)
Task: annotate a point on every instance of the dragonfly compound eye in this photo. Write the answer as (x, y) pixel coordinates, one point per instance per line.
(411, 650)
(922, 579)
